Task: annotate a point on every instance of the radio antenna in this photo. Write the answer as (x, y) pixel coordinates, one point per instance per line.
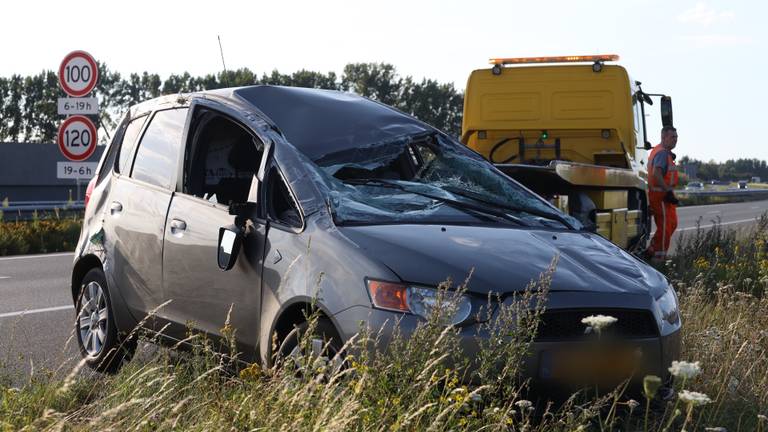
(221, 50)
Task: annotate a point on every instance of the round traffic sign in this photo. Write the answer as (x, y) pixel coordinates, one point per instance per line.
(78, 73)
(77, 138)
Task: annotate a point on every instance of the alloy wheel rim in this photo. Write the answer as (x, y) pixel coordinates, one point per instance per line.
(92, 319)
(321, 355)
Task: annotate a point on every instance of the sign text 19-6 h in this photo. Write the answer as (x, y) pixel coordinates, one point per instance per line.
(75, 170)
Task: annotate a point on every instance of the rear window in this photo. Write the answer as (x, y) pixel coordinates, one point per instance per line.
(111, 153)
(158, 153)
(129, 144)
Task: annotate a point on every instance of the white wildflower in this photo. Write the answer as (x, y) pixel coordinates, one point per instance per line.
(694, 398)
(684, 369)
(632, 404)
(523, 404)
(598, 322)
(651, 384)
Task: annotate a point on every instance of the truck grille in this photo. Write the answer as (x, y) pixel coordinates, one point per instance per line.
(566, 324)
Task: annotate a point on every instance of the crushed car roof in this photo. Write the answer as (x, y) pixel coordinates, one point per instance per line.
(320, 122)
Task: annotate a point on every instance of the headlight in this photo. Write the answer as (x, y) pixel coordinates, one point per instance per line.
(450, 308)
(668, 306)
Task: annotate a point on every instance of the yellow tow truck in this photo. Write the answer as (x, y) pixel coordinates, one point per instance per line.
(572, 129)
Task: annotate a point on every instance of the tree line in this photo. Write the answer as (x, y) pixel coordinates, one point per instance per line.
(730, 170)
(28, 104)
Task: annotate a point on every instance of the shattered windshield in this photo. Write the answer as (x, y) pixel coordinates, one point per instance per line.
(426, 178)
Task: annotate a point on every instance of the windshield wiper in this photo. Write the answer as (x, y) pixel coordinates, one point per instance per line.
(551, 216)
(461, 205)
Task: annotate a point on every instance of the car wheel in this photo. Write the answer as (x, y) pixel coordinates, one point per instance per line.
(95, 327)
(321, 349)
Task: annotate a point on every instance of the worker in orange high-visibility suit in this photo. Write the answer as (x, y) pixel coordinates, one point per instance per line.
(662, 179)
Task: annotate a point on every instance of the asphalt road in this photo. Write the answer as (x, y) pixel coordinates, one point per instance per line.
(735, 215)
(36, 314)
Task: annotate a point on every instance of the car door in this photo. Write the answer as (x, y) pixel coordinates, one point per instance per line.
(220, 162)
(138, 204)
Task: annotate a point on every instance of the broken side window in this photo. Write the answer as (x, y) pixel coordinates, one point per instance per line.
(222, 159)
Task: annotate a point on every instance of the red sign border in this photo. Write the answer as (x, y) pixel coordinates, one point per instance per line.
(60, 140)
(90, 86)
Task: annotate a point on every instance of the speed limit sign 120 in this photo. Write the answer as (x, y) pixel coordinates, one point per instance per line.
(78, 73)
(77, 138)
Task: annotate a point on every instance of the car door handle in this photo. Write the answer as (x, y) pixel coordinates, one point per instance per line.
(115, 208)
(177, 225)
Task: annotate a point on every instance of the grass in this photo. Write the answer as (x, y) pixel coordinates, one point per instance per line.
(722, 260)
(421, 383)
(40, 235)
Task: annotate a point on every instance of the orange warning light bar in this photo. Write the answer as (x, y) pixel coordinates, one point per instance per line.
(560, 59)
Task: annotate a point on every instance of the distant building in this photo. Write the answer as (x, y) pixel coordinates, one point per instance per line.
(28, 173)
(755, 180)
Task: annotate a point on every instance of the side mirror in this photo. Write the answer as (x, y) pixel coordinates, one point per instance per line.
(647, 99)
(230, 240)
(666, 111)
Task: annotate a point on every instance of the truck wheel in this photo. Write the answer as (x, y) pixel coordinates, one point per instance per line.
(97, 335)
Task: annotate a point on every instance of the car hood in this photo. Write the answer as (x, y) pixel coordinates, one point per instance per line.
(503, 260)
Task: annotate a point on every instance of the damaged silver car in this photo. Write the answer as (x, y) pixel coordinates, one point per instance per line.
(257, 204)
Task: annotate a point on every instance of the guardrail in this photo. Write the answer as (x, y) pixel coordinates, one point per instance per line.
(726, 192)
(28, 210)
(700, 197)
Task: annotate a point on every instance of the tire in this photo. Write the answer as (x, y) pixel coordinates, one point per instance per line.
(97, 334)
(324, 344)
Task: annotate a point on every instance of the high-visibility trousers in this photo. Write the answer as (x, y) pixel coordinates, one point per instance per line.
(665, 217)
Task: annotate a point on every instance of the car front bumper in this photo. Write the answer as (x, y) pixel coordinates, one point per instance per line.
(654, 354)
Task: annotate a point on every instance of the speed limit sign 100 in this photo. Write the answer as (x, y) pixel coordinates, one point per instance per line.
(77, 138)
(78, 73)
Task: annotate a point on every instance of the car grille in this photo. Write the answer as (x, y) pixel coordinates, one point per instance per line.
(566, 324)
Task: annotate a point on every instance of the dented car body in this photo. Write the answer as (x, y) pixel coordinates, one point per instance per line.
(353, 208)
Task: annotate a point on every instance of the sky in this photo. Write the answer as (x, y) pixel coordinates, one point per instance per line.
(710, 56)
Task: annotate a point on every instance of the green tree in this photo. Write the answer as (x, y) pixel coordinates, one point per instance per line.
(13, 118)
(5, 88)
(112, 100)
(437, 104)
(378, 81)
(302, 78)
(40, 114)
(178, 83)
(28, 104)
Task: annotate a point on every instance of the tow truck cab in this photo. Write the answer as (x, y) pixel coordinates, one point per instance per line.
(572, 129)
